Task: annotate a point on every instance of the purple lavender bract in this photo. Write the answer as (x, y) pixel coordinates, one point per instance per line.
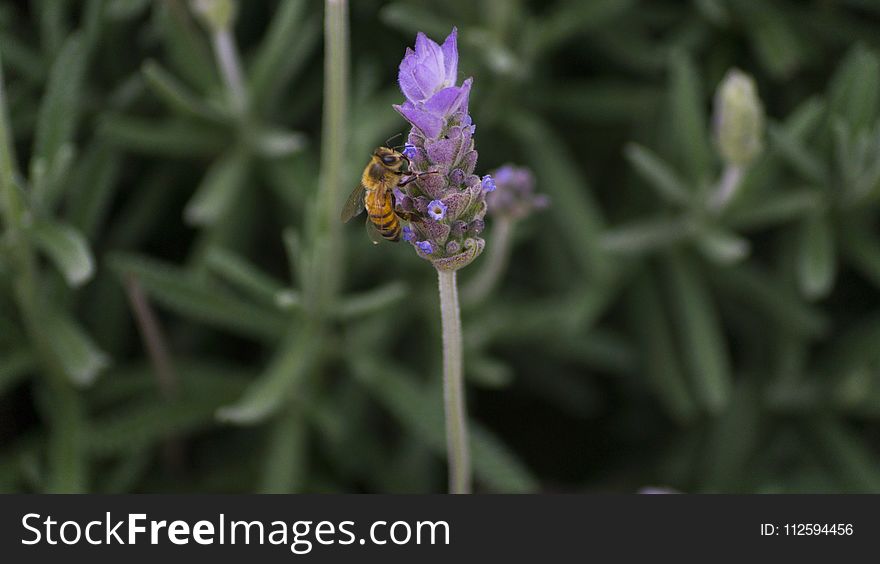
(441, 151)
(515, 195)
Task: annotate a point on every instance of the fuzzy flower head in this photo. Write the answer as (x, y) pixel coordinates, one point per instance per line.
(738, 119)
(513, 193)
(446, 201)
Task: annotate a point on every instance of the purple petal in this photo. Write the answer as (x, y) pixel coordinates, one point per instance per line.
(428, 80)
(406, 79)
(429, 125)
(445, 102)
(450, 56)
(430, 55)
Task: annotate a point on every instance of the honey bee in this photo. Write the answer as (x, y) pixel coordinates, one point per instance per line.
(374, 194)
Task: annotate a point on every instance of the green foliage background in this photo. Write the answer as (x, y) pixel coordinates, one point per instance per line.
(636, 339)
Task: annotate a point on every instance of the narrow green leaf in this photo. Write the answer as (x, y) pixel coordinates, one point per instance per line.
(734, 438)
(658, 174)
(292, 36)
(688, 118)
(126, 9)
(816, 260)
(244, 275)
(194, 297)
(185, 45)
(218, 190)
(577, 213)
(488, 372)
(702, 339)
(91, 188)
(80, 357)
(366, 303)
(776, 208)
(278, 384)
(847, 454)
(861, 247)
(148, 423)
(855, 89)
(646, 235)
(600, 101)
(722, 246)
(419, 413)
(756, 289)
(177, 95)
(798, 156)
(773, 39)
(172, 139)
(66, 248)
(568, 19)
(59, 109)
(414, 18)
(14, 368)
(497, 465)
(48, 180)
(285, 464)
(658, 356)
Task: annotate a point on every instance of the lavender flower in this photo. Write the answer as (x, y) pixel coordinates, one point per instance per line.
(447, 198)
(515, 196)
(437, 210)
(488, 183)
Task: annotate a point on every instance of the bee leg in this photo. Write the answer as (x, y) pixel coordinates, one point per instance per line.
(417, 176)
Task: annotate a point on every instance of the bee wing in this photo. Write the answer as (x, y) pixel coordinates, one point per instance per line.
(354, 205)
(372, 232)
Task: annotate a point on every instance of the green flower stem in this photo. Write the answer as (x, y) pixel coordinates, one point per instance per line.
(226, 53)
(328, 232)
(727, 185)
(453, 386)
(494, 265)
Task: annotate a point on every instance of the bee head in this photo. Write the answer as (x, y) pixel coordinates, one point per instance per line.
(390, 158)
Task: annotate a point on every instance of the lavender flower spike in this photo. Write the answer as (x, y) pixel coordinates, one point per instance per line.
(449, 201)
(515, 197)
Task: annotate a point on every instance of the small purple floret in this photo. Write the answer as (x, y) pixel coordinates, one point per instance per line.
(488, 183)
(437, 210)
(425, 247)
(408, 234)
(409, 151)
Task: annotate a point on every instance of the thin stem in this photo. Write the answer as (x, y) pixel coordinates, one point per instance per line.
(153, 338)
(493, 266)
(328, 233)
(453, 386)
(230, 67)
(730, 181)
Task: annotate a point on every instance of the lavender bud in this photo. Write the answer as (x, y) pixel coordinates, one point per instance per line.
(215, 14)
(738, 119)
(515, 196)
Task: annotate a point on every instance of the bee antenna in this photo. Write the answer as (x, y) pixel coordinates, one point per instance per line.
(387, 141)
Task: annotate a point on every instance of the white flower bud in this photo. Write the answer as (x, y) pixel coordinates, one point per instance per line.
(739, 119)
(215, 14)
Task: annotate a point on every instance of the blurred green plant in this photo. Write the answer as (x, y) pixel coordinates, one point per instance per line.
(169, 204)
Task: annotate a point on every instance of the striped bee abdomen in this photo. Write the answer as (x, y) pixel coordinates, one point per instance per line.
(382, 216)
